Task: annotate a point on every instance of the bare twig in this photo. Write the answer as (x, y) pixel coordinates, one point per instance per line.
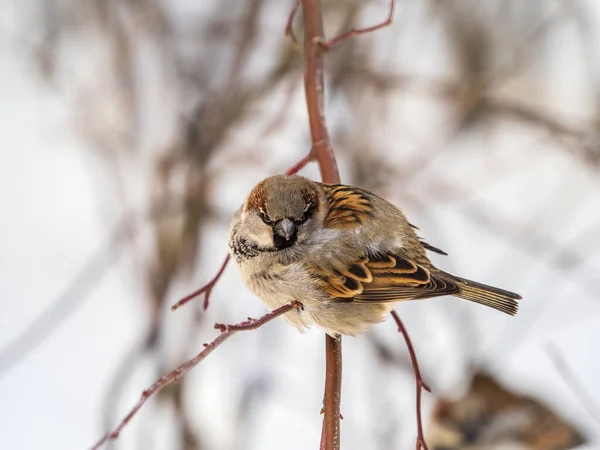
(330, 433)
(421, 444)
(322, 152)
(226, 332)
(299, 165)
(358, 31)
(206, 289)
(289, 26)
(314, 89)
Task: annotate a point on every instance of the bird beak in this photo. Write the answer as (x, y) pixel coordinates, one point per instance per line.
(286, 228)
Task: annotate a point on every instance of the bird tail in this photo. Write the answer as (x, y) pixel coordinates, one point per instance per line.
(493, 297)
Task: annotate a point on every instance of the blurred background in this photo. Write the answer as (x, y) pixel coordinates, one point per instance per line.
(132, 129)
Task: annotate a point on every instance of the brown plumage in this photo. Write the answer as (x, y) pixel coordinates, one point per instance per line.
(346, 254)
(391, 278)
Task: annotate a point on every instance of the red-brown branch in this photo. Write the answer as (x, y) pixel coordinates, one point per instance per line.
(330, 436)
(421, 444)
(206, 289)
(358, 31)
(289, 26)
(315, 91)
(300, 165)
(226, 332)
(322, 152)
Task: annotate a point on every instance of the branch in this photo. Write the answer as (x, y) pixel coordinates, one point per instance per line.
(330, 432)
(206, 289)
(226, 332)
(299, 165)
(421, 444)
(314, 89)
(358, 31)
(289, 31)
(322, 152)
(289, 26)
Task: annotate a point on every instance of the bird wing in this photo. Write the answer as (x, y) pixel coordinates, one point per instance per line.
(385, 277)
(390, 277)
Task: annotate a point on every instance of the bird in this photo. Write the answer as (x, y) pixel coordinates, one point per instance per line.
(344, 254)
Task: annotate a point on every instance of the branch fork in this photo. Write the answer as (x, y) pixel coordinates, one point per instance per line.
(327, 44)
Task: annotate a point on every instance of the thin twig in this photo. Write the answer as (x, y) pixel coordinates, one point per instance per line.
(226, 332)
(314, 89)
(421, 444)
(299, 165)
(206, 289)
(358, 31)
(330, 438)
(289, 26)
(322, 152)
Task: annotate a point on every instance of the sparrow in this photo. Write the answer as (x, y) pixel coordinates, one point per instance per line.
(345, 254)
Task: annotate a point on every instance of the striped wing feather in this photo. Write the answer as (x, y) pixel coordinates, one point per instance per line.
(386, 278)
(348, 206)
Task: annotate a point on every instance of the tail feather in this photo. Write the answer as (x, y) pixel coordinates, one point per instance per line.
(493, 297)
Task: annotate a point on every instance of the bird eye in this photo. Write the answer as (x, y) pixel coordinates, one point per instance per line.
(306, 215)
(265, 218)
(303, 219)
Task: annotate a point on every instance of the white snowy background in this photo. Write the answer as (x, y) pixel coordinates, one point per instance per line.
(59, 204)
